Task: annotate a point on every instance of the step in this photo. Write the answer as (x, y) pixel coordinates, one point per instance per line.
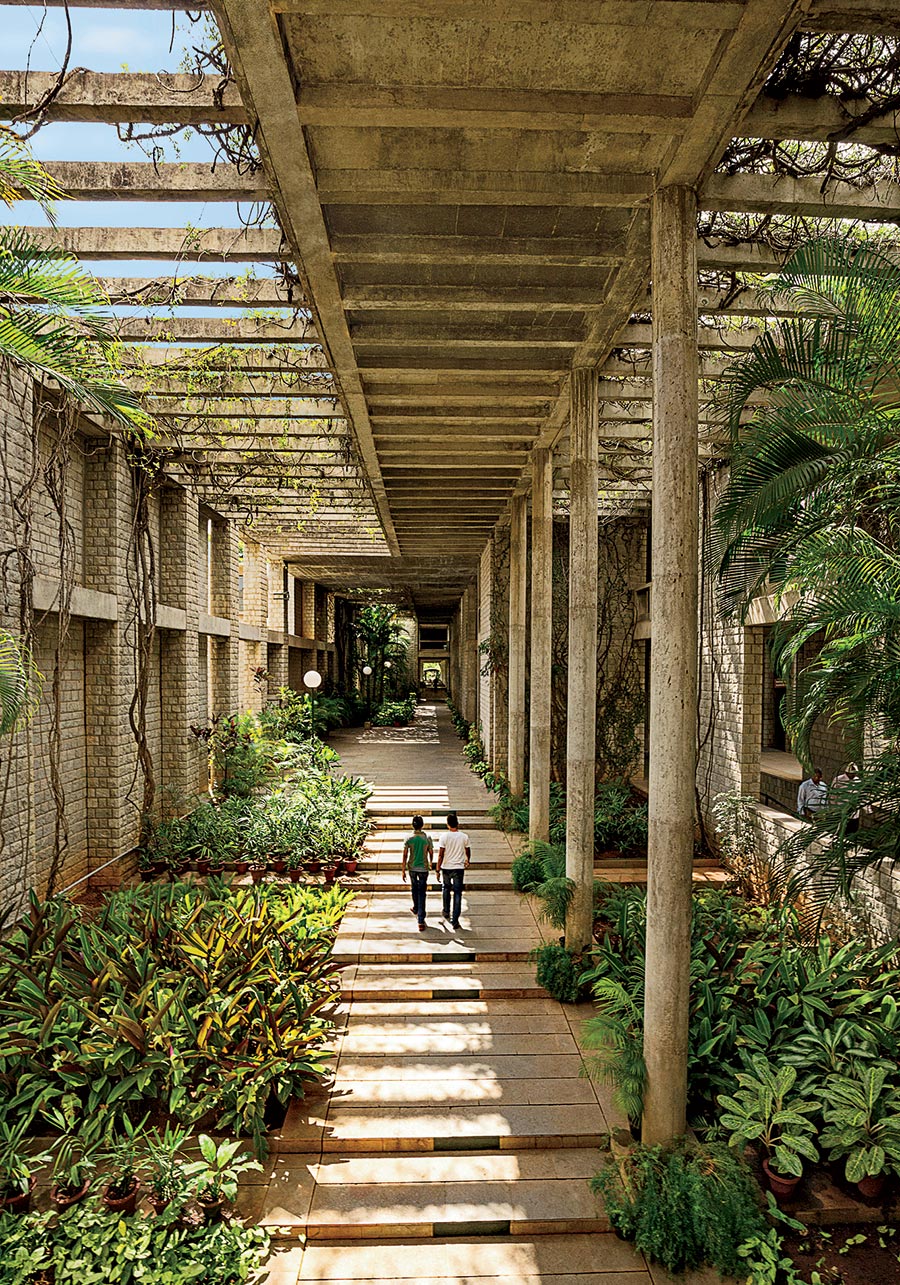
(585, 1259)
(332, 1127)
(395, 1197)
(399, 821)
(477, 877)
(415, 982)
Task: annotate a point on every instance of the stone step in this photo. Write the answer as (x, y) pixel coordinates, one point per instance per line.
(396, 1197)
(415, 982)
(434, 823)
(333, 1127)
(381, 805)
(477, 877)
(580, 1259)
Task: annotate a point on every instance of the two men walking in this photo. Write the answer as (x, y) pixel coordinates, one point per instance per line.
(452, 859)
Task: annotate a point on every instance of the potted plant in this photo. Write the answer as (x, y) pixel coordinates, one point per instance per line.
(74, 1162)
(147, 864)
(350, 864)
(257, 871)
(862, 1126)
(241, 865)
(764, 1110)
(215, 1175)
(123, 1157)
(17, 1167)
(295, 865)
(279, 865)
(165, 1171)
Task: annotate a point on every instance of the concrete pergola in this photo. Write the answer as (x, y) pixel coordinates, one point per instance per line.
(480, 205)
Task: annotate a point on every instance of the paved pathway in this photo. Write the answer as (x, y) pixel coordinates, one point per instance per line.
(456, 1144)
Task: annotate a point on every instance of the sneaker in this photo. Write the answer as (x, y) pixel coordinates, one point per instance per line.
(455, 925)
(421, 928)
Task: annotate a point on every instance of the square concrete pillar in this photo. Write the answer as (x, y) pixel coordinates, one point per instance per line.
(183, 761)
(223, 598)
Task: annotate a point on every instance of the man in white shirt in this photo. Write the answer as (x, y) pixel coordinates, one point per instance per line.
(453, 858)
(812, 795)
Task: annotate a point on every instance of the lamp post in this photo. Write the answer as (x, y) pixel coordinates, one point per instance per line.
(367, 673)
(313, 680)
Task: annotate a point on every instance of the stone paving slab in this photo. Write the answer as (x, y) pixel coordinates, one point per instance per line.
(554, 1260)
(450, 1066)
(396, 1089)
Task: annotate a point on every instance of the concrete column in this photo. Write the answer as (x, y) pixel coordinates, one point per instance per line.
(673, 661)
(541, 644)
(223, 598)
(184, 765)
(581, 711)
(471, 662)
(518, 544)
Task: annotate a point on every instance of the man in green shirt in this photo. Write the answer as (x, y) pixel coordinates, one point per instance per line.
(418, 852)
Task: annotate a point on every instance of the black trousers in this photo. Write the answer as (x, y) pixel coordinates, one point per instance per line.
(452, 882)
(419, 882)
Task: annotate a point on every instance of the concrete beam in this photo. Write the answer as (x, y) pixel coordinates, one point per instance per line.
(480, 187)
(870, 17)
(798, 116)
(722, 16)
(473, 298)
(220, 408)
(472, 107)
(587, 252)
(144, 181)
(249, 391)
(781, 194)
(183, 291)
(209, 245)
(243, 330)
(120, 97)
(255, 49)
(280, 362)
(638, 335)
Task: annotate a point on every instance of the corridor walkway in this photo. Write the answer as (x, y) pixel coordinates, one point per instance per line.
(457, 1142)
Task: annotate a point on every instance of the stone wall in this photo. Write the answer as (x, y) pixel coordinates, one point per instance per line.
(70, 793)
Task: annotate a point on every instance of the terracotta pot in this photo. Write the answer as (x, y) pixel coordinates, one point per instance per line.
(19, 1202)
(871, 1188)
(64, 1197)
(782, 1186)
(279, 866)
(295, 874)
(147, 876)
(158, 1203)
(315, 867)
(202, 867)
(217, 870)
(122, 1204)
(330, 874)
(350, 867)
(256, 873)
(212, 1209)
(157, 867)
(241, 867)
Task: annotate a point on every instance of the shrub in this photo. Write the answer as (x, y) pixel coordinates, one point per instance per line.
(527, 871)
(684, 1207)
(397, 711)
(558, 971)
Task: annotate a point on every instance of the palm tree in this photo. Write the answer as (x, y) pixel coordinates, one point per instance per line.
(20, 684)
(54, 319)
(811, 510)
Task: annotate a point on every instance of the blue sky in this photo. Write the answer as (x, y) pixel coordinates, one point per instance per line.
(113, 40)
(106, 40)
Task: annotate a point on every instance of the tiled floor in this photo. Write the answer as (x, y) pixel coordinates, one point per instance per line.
(456, 1143)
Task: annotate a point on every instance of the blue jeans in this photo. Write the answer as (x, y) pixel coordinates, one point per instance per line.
(453, 882)
(419, 882)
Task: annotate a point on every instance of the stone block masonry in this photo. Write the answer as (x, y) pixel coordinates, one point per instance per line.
(70, 791)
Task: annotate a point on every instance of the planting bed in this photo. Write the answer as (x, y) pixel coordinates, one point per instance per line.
(846, 1254)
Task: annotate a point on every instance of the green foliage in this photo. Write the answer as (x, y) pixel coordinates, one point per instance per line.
(683, 1207)
(216, 1173)
(91, 1248)
(620, 820)
(396, 711)
(21, 683)
(182, 997)
(558, 971)
(862, 1118)
(765, 1109)
(18, 1161)
(295, 716)
(809, 514)
(54, 317)
(762, 1253)
(527, 871)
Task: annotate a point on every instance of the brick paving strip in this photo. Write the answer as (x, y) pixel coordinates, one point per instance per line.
(456, 1141)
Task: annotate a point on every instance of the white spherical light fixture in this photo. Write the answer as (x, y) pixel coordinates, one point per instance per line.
(367, 669)
(387, 664)
(312, 678)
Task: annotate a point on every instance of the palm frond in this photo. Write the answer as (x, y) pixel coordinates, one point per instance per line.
(21, 683)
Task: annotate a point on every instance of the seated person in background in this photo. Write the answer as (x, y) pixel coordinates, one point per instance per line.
(812, 795)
